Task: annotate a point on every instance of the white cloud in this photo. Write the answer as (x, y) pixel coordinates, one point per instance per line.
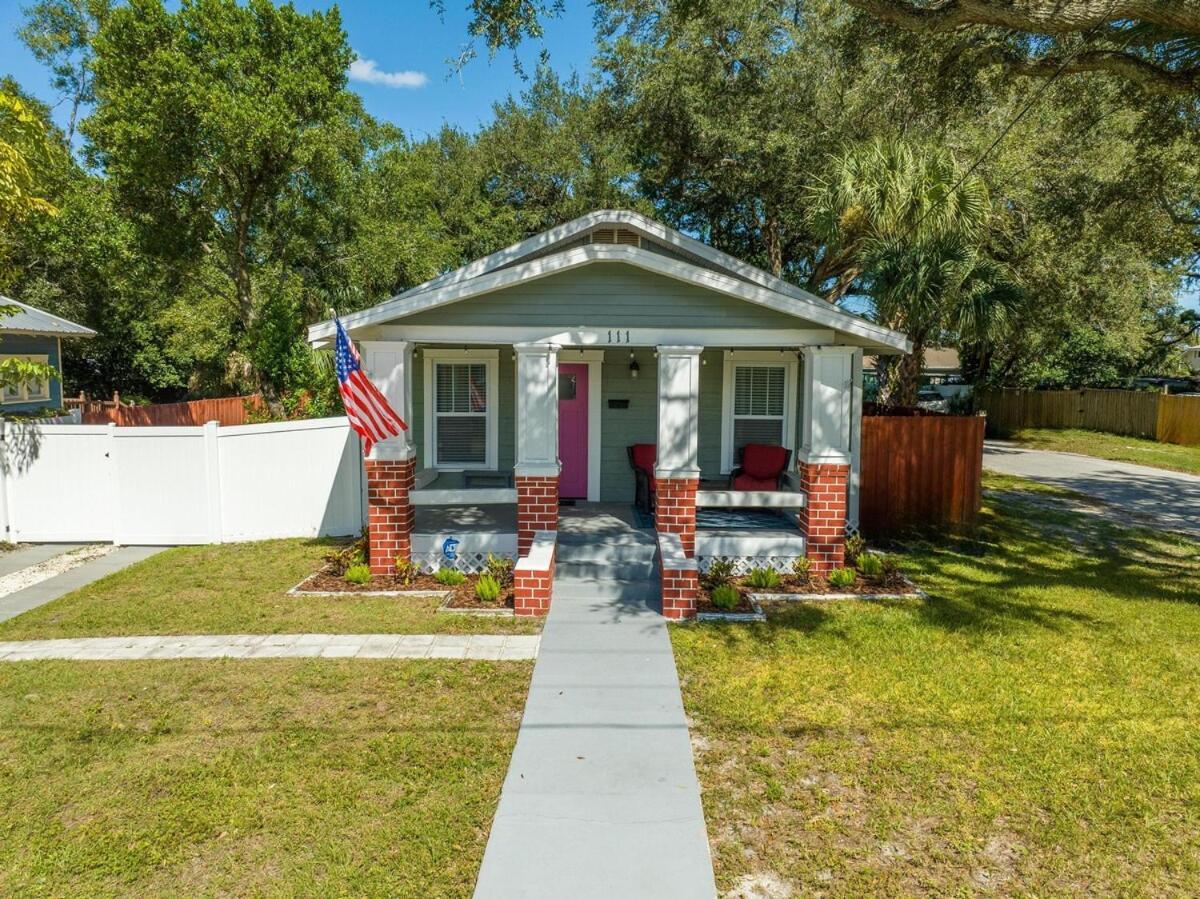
(367, 70)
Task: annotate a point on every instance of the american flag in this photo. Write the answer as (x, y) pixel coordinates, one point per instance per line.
(366, 408)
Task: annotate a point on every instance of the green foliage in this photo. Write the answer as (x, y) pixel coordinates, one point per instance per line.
(449, 577)
(855, 546)
(725, 597)
(358, 574)
(842, 578)
(720, 571)
(500, 568)
(339, 561)
(406, 570)
(487, 588)
(802, 569)
(763, 578)
(870, 566)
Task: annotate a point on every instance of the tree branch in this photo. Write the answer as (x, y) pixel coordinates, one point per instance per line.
(1039, 16)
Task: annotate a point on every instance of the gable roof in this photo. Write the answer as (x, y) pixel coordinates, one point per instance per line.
(31, 320)
(567, 246)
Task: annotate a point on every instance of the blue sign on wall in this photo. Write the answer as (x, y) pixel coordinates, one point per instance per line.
(450, 549)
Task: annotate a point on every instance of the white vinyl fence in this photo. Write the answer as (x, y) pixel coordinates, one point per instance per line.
(180, 485)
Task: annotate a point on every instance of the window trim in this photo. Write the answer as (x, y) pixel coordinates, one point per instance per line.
(491, 359)
(758, 359)
(24, 397)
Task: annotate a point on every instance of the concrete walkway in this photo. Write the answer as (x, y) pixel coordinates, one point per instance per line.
(1164, 500)
(28, 556)
(61, 584)
(601, 797)
(500, 647)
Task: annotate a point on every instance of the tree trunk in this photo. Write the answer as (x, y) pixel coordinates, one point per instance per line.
(900, 377)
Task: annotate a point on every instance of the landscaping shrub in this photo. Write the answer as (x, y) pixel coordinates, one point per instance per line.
(763, 578)
(842, 578)
(406, 570)
(500, 568)
(341, 560)
(726, 597)
(449, 577)
(359, 574)
(487, 588)
(720, 572)
(802, 569)
(870, 566)
(855, 547)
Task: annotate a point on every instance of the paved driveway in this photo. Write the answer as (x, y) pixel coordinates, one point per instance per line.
(1167, 500)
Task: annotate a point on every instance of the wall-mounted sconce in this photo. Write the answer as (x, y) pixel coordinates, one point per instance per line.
(634, 368)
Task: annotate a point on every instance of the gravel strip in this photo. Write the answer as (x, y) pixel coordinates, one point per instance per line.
(43, 571)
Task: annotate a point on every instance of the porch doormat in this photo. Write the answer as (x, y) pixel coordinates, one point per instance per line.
(735, 519)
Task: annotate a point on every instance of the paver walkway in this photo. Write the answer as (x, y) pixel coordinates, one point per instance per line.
(500, 647)
(1165, 500)
(601, 797)
(61, 584)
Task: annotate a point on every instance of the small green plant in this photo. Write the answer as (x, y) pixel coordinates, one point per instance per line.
(359, 574)
(802, 569)
(725, 597)
(763, 578)
(340, 561)
(449, 577)
(487, 588)
(719, 573)
(891, 575)
(855, 547)
(500, 568)
(870, 566)
(406, 570)
(842, 578)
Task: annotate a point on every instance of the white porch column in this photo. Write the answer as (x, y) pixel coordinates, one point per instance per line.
(389, 365)
(391, 467)
(677, 469)
(827, 447)
(536, 473)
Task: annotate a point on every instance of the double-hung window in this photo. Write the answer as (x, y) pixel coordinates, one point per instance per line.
(460, 403)
(759, 402)
(28, 391)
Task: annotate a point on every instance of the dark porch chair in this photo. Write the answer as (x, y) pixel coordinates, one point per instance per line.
(641, 459)
(761, 468)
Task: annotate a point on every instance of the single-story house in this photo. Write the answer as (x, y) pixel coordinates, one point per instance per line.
(1191, 358)
(30, 333)
(552, 371)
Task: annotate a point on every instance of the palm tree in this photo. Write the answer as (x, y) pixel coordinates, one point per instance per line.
(903, 224)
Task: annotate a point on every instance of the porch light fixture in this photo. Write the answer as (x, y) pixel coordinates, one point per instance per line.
(634, 368)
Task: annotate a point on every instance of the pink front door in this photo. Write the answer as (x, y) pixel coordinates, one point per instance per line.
(573, 430)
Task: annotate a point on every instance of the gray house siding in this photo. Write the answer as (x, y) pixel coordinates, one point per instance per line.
(605, 296)
(34, 345)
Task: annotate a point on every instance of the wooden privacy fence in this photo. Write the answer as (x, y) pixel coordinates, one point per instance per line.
(1132, 413)
(228, 411)
(920, 471)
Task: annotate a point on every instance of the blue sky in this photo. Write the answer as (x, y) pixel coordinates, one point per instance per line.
(403, 74)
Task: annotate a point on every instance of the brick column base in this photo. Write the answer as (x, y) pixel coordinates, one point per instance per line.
(537, 508)
(389, 513)
(823, 517)
(680, 589)
(675, 509)
(533, 577)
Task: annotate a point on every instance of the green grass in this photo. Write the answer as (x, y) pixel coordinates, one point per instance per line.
(1112, 446)
(1033, 728)
(236, 588)
(233, 777)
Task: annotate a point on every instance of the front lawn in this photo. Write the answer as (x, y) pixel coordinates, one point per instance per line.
(236, 777)
(237, 588)
(1033, 728)
(1114, 447)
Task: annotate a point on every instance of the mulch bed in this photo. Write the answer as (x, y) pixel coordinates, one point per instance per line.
(704, 604)
(460, 597)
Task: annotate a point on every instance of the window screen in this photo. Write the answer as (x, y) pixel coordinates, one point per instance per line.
(758, 400)
(460, 416)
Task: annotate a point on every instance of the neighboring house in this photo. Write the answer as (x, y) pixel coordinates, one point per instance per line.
(1191, 357)
(527, 375)
(942, 371)
(33, 334)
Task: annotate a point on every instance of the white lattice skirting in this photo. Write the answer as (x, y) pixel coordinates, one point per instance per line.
(468, 562)
(743, 564)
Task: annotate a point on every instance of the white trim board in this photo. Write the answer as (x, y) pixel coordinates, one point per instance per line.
(749, 338)
(804, 307)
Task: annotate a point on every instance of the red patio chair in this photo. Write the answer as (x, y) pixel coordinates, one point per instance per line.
(762, 467)
(642, 457)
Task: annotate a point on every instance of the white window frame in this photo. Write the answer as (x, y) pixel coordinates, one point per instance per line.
(23, 389)
(491, 359)
(758, 359)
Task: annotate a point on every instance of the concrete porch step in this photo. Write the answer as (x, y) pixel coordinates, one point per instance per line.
(628, 537)
(601, 570)
(591, 588)
(606, 552)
